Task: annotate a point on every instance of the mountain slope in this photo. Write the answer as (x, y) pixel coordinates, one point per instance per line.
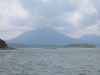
(90, 39)
(45, 36)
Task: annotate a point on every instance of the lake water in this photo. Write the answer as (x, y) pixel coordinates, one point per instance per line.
(61, 61)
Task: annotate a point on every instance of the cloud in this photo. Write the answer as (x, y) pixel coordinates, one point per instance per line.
(45, 0)
(74, 18)
(78, 32)
(17, 11)
(11, 10)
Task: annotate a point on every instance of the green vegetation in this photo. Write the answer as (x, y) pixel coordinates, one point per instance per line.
(80, 45)
(87, 46)
(13, 45)
(4, 46)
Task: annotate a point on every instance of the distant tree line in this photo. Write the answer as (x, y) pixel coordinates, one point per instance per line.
(80, 45)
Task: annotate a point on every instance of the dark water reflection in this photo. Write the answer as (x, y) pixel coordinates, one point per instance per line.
(61, 61)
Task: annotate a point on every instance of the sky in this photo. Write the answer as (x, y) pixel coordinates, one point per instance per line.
(73, 18)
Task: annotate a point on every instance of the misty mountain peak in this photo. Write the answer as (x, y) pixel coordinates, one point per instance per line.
(46, 35)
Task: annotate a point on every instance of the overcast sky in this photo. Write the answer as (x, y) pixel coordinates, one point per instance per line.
(73, 18)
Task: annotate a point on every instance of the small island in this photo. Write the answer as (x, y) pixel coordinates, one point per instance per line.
(79, 46)
(4, 46)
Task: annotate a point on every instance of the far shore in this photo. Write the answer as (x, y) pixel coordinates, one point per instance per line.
(45, 48)
(80, 47)
(9, 48)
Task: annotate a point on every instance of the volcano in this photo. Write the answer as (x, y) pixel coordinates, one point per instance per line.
(44, 36)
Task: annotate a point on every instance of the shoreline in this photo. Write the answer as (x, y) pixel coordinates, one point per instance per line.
(9, 48)
(80, 47)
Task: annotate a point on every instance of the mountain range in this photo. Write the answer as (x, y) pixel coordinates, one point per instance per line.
(50, 36)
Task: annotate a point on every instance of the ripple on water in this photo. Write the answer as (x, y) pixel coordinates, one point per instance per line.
(50, 62)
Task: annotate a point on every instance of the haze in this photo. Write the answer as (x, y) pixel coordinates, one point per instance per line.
(73, 18)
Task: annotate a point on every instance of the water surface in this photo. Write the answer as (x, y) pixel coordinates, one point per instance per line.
(61, 61)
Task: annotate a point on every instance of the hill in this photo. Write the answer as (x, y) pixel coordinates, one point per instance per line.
(44, 36)
(4, 46)
(90, 39)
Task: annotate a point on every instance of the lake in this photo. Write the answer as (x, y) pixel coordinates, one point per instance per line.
(61, 61)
